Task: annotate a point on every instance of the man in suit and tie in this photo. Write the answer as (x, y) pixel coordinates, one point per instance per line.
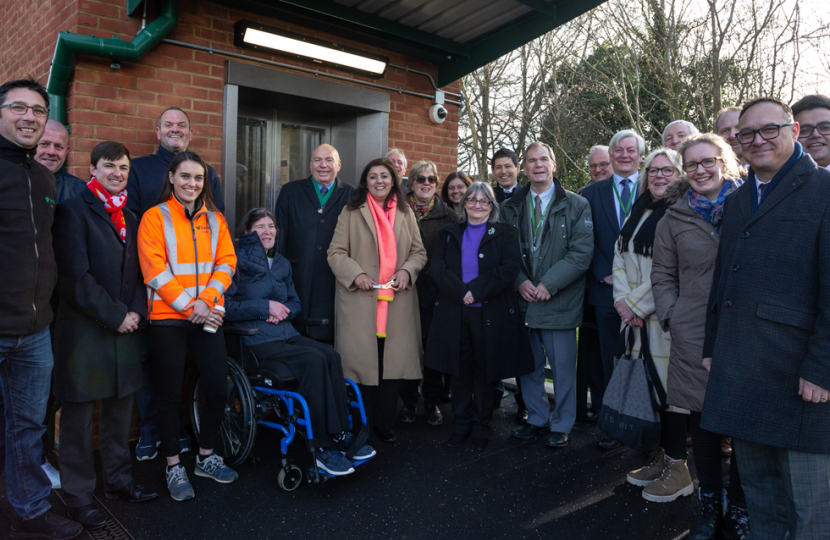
(611, 200)
(768, 329)
(307, 212)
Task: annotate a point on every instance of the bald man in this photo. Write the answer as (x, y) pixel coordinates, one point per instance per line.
(307, 212)
(51, 153)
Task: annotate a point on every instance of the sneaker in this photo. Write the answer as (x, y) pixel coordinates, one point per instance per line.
(147, 447)
(365, 451)
(651, 472)
(736, 523)
(408, 414)
(185, 444)
(177, 483)
(214, 467)
(711, 517)
(53, 474)
(674, 482)
(333, 462)
(47, 525)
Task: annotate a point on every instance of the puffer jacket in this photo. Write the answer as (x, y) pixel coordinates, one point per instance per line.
(561, 260)
(254, 285)
(27, 207)
(184, 258)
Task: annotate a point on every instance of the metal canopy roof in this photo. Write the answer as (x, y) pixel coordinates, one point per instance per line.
(458, 36)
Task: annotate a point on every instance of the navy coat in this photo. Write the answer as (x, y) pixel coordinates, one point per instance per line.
(68, 185)
(99, 281)
(506, 339)
(147, 176)
(601, 196)
(304, 237)
(769, 314)
(254, 285)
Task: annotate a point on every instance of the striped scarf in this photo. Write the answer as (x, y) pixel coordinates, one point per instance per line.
(114, 204)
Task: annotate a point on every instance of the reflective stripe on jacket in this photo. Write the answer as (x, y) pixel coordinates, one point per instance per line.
(184, 260)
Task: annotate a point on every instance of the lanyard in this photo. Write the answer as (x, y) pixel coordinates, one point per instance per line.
(536, 226)
(625, 209)
(324, 198)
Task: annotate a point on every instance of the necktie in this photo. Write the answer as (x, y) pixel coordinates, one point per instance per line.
(324, 190)
(624, 198)
(537, 215)
(761, 189)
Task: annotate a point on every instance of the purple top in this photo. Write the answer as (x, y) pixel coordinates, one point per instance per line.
(469, 253)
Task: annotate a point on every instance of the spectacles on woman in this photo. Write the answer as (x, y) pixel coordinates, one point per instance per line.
(665, 171)
(691, 166)
(483, 203)
(424, 179)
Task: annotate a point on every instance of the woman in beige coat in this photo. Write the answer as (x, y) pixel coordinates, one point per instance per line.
(685, 249)
(376, 254)
(666, 477)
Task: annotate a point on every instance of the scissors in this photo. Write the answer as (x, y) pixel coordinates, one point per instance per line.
(389, 285)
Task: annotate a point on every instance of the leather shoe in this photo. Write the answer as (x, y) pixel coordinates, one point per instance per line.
(89, 516)
(457, 439)
(434, 417)
(592, 416)
(528, 431)
(607, 443)
(388, 437)
(408, 414)
(522, 416)
(480, 443)
(132, 492)
(558, 440)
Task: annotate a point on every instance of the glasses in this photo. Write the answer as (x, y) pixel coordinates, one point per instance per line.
(691, 166)
(767, 133)
(424, 179)
(665, 171)
(21, 108)
(807, 130)
(483, 203)
(600, 165)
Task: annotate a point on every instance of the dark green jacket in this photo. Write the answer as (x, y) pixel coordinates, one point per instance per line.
(561, 260)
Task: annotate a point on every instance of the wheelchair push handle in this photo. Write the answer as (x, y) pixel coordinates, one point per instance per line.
(311, 322)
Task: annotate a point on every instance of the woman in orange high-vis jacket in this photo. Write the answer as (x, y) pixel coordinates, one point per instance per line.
(187, 259)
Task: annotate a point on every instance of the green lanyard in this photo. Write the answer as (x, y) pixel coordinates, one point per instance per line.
(324, 198)
(625, 209)
(536, 226)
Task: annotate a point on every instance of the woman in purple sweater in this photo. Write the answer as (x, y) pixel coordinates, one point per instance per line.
(477, 334)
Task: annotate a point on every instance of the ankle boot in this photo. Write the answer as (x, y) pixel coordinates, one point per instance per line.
(710, 520)
(736, 523)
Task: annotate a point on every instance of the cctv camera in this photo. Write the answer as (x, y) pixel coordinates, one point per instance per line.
(437, 113)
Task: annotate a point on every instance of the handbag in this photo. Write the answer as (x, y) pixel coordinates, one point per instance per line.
(635, 397)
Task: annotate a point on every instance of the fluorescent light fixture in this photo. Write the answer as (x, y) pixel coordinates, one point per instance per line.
(257, 36)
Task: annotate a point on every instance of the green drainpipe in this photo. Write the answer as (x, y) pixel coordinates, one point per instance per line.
(68, 44)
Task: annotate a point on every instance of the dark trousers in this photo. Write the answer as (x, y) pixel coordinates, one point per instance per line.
(168, 350)
(786, 491)
(433, 380)
(76, 458)
(608, 326)
(319, 375)
(707, 452)
(381, 401)
(673, 434)
(473, 399)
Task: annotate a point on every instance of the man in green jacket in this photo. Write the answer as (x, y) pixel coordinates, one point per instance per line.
(557, 242)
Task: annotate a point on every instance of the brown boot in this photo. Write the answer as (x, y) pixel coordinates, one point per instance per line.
(673, 483)
(651, 472)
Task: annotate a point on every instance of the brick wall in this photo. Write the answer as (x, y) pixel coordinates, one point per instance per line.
(123, 104)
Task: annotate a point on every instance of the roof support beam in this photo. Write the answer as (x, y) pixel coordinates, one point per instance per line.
(539, 5)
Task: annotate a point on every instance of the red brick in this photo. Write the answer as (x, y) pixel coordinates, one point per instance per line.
(138, 70)
(150, 111)
(186, 66)
(134, 122)
(213, 35)
(189, 91)
(119, 27)
(209, 82)
(99, 8)
(192, 18)
(115, 79)
(174, 101)
(208, 106)
(158, 60)
(119, 107)
(208, 58)
(147, 137)
(135, 95)
(80, 102)
(80, 130)
(115, 134)
(154, 86)
(88, 19)
(165, 49)
(96, 118)
(176, 77)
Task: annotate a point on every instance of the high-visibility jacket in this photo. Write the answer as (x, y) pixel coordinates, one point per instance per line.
(184, 260)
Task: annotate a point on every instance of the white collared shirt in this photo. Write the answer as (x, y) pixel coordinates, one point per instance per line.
(758, 185)
(509, 191)
(618, 181)
(545, 196)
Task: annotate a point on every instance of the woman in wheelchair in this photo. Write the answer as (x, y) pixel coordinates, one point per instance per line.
(262, 296)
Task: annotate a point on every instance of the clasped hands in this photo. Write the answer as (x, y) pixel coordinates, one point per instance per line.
(277, 312)
(401, 281)
(627, 316)
(531, 293)
(201, 314)
(130, 323)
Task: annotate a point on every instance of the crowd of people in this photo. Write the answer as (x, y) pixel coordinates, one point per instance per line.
(713, 247)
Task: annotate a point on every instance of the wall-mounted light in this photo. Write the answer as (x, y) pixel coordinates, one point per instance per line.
(274, 40)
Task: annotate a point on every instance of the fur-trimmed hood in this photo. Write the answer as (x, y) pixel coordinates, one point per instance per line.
(676, 190)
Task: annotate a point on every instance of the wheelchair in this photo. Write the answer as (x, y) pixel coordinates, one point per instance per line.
(259, 397)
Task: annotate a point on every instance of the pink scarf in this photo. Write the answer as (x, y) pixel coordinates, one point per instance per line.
(387, 257)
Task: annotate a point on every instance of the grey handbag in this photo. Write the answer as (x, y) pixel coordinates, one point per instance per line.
(634, 397)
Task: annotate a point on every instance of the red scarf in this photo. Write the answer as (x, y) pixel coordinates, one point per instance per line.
(114, 205)
(387, 256)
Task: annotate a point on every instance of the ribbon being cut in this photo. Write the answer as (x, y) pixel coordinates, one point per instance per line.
(387, 257)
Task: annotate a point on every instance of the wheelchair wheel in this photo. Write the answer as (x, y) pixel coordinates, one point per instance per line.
(292, 480)
(238, 428)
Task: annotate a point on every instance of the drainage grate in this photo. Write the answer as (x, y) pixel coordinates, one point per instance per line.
(113, 530)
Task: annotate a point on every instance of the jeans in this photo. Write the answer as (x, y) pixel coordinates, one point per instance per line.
(25, 373)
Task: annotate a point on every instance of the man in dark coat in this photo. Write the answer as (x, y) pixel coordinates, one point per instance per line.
(52, 150)
(768, 329)
(27, 208)
(307, 212)
(98, 344)
(611, 201)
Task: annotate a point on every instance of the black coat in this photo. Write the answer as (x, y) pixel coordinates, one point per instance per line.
(99, 281)
(768, 322)
(501, 197)
(304, 237)
(430, 227)
(507, 345)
